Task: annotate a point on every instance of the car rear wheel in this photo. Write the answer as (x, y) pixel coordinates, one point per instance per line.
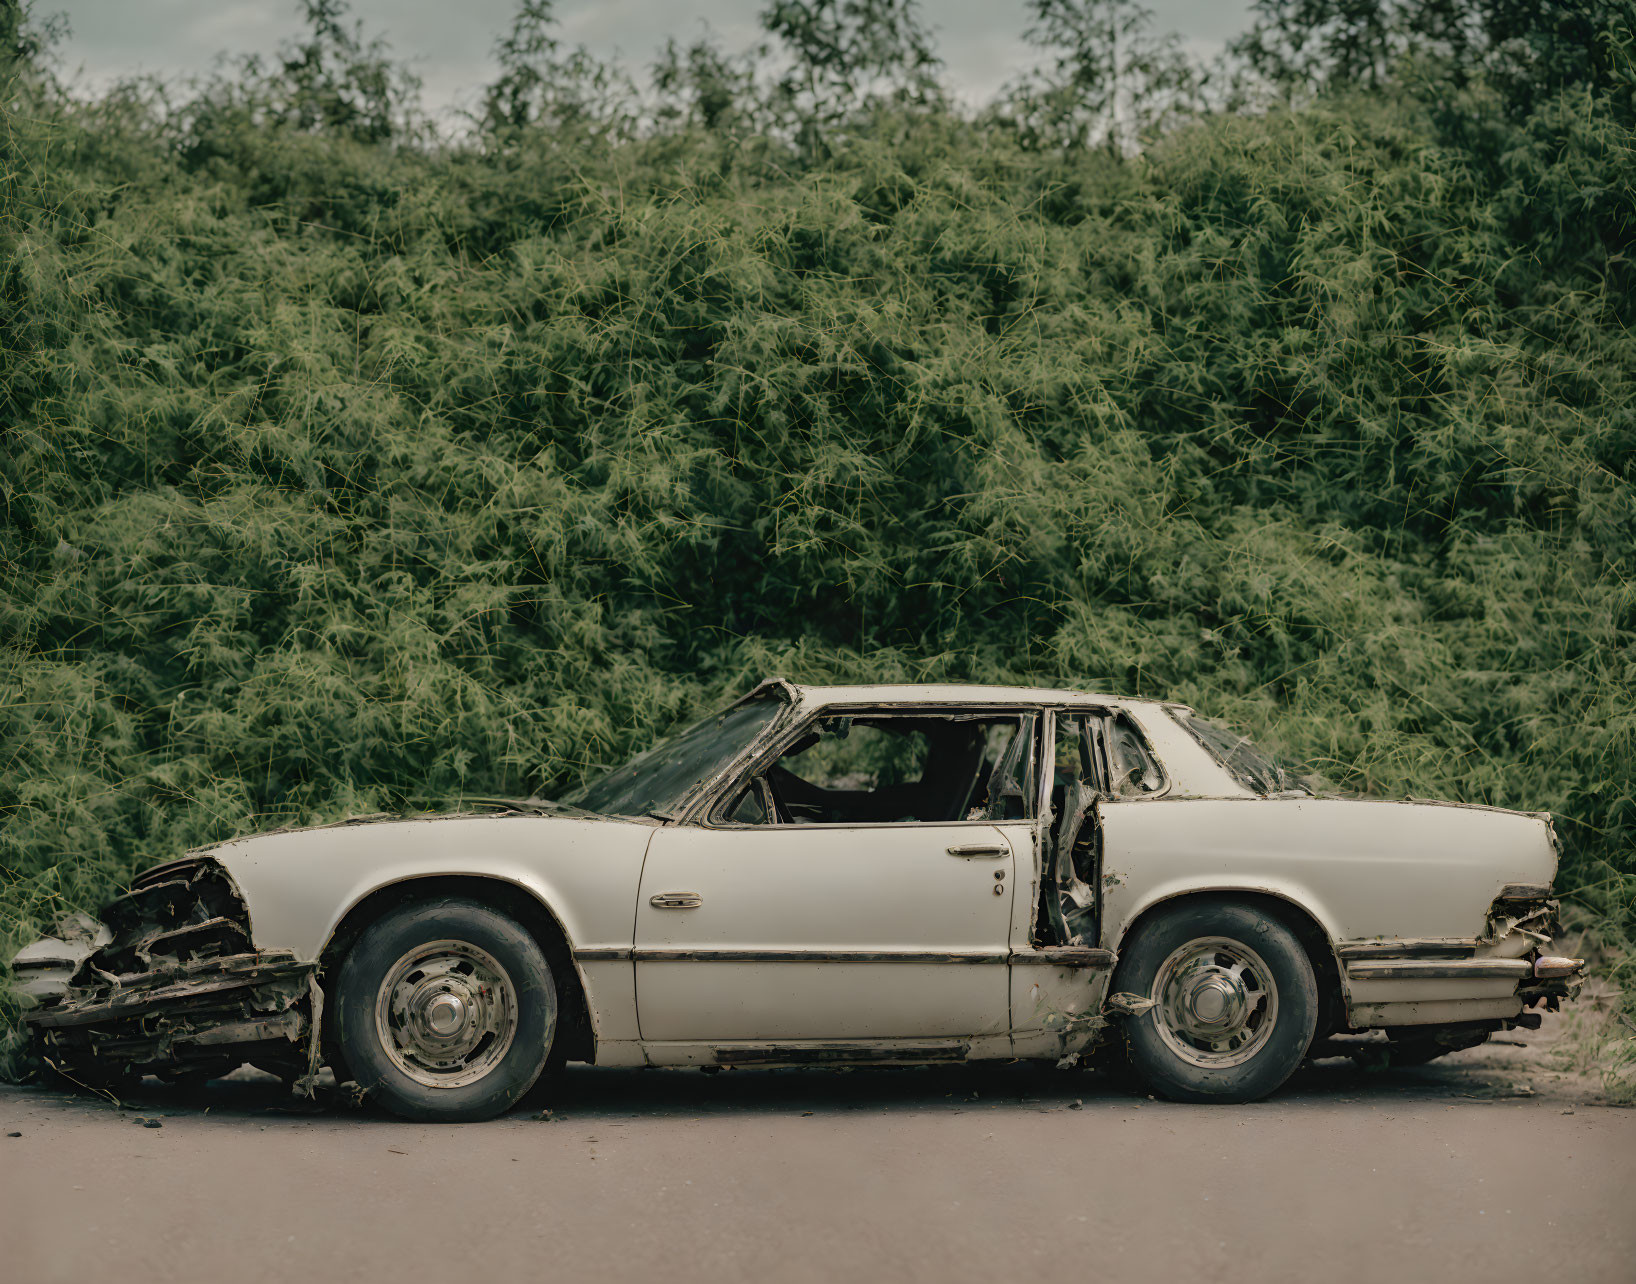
(446, 1011)
(1235, 1002)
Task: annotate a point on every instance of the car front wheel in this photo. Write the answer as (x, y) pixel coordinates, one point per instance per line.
(447, 1011)
(1235, 1002)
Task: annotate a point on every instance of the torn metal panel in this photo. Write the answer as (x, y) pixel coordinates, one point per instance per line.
(108, 996)
(1554, 980)
(1065, 956)
(1056, 1001)
(1069, 900)
(1078, 770)
(1537, 924)
(168, 982)
(1524, 892)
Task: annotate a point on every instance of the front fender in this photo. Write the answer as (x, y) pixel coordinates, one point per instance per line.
(300, 884)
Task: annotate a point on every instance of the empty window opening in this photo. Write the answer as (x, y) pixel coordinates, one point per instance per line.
(886, 769)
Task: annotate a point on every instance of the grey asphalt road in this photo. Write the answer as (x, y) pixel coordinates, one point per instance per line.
(948, 1174)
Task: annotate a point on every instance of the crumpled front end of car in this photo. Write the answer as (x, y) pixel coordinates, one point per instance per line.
(168, 982)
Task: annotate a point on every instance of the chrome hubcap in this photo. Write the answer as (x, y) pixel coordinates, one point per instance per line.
(446, 1013)
(1217, 1002)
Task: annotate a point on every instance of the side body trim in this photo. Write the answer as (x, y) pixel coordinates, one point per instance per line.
(1059, 956)
(651, 955)
(839, 1054)
(1407, 949)
(1438, 970)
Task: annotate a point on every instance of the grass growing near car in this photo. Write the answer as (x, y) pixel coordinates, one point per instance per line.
(347, 470)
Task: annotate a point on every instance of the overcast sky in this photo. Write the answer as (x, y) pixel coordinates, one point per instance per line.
(449, 41)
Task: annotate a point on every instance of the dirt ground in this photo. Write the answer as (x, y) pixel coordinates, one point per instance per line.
(1486, 1165)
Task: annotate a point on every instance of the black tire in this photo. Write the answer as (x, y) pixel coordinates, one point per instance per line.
(1275, 989)
(495, 1075)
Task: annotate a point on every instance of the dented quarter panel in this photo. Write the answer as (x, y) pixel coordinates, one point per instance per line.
(1369, 872)
(1362, 868)
(1055, 1010)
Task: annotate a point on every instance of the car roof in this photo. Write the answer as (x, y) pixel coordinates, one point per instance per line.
(944, 693)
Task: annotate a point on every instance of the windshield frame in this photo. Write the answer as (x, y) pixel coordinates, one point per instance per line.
(653, 761)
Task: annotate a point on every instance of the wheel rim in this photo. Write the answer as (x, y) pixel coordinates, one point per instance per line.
(1217, 1002)
(446, 1013)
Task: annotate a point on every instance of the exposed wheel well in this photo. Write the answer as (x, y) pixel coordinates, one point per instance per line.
(578, 1033)
(1314, 940)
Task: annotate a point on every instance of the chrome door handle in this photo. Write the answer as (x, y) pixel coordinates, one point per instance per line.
(979, 849)
(676, 900)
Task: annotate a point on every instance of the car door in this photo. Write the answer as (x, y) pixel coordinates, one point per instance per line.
(793, 928)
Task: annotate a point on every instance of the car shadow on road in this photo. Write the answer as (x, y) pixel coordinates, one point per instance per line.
(584, 1092)
(1001, 1085)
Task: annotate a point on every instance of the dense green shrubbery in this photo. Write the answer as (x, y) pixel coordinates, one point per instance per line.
(346, 468)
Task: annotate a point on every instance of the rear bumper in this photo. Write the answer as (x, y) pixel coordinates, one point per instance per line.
(1495, 978)
(1536, 967)
(1389, 992)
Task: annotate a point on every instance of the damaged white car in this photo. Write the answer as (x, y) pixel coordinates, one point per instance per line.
(839, 876)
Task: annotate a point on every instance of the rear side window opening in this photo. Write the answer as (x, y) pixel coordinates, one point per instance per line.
(1258, 771)
(1108, 753)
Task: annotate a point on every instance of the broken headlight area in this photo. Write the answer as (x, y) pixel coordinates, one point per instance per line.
(168, 983)
(1525, 915)
(1524, 910)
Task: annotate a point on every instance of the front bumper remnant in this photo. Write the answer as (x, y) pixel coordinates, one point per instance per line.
(169, 983)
